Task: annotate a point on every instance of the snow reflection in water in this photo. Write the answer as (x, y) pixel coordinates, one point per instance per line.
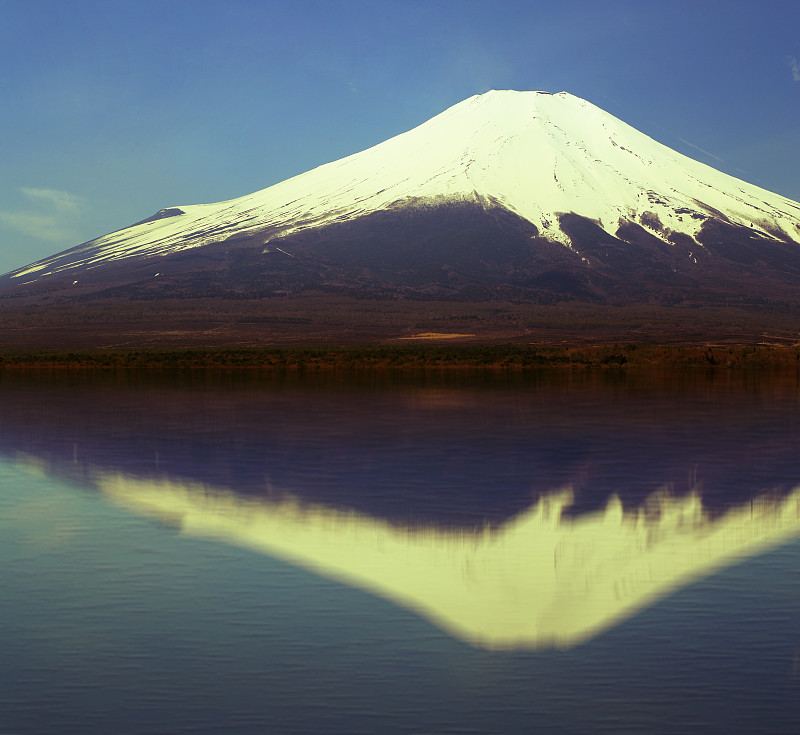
(538, 580)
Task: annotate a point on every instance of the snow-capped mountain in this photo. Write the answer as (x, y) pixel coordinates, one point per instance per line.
(537, 193)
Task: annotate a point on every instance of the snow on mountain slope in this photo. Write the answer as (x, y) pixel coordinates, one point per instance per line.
(534, 153)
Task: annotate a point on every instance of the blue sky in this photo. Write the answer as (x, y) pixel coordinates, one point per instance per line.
(111, 110)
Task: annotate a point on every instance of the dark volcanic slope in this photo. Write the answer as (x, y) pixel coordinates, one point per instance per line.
(464, 251)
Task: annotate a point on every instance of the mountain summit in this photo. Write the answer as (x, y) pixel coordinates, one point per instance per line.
(506, 194)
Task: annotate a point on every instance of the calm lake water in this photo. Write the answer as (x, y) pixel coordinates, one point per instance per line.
(206, 552)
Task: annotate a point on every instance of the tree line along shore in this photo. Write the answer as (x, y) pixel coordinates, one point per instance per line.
(411, 356)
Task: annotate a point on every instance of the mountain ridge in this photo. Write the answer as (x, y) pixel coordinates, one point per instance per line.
(525, 195)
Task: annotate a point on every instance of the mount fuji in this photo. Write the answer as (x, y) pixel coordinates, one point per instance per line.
(506, 195)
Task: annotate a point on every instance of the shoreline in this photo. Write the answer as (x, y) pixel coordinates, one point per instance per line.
(409, 356)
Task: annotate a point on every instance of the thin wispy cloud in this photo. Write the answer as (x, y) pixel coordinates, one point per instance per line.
(795, 67)
(702, 150)
(47, 214)
(61, 201)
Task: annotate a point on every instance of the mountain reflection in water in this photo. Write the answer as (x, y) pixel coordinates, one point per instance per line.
(526, 511)
(536, 581)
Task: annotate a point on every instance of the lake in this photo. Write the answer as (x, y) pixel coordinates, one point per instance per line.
(441, 552)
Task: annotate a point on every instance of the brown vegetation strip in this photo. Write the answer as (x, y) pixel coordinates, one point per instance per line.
(437, 335)
(410, 356)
